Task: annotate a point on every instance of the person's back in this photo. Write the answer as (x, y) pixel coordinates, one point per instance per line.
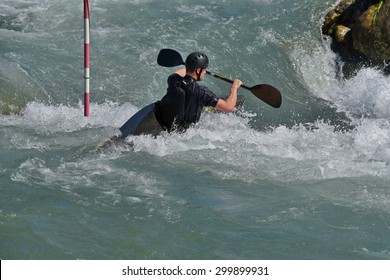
(183, 103)
(185, 98)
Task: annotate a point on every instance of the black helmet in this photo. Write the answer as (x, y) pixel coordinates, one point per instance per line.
(197, 60)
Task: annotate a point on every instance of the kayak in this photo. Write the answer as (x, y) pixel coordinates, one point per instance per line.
(144, 122)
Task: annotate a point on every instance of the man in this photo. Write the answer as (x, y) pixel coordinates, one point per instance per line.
(183, 103)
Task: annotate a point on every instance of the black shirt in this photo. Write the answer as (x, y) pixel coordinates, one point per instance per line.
(183, 103)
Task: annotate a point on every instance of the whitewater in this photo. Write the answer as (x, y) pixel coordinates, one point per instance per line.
(310, 180)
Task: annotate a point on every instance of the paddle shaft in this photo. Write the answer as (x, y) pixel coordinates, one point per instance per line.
(225, 79)
(267, 93)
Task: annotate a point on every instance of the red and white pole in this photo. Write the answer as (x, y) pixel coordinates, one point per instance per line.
(86, 58)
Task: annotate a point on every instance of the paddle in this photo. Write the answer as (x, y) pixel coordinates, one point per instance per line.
(267, 93)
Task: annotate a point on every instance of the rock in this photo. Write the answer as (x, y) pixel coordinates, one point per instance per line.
(381, 32)
(360, 29)
(342, 34)
(370, 36)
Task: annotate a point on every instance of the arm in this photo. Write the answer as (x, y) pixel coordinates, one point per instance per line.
(230, 102)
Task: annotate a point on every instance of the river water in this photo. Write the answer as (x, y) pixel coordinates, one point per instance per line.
(310, 180)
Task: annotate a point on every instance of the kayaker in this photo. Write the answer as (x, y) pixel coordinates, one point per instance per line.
(185, 98)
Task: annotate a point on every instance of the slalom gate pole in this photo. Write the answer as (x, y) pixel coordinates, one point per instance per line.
(86, 58)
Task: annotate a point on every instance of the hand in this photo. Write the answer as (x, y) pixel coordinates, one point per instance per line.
(237, 83)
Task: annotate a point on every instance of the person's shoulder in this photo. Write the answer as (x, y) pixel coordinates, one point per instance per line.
(206, 90)
(209, 97)
(173, 78)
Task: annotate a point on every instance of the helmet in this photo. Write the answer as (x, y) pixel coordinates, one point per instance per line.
(196, 60)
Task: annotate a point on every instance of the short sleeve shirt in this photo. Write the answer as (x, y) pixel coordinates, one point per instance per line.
(206, 96)
(184, 102)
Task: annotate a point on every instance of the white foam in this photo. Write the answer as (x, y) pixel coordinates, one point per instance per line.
(61, 118)
(227, 143)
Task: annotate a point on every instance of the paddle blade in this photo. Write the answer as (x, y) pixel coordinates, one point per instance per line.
(169, 58)
(268, 94)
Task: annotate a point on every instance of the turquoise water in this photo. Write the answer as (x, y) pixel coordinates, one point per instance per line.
(310, 180)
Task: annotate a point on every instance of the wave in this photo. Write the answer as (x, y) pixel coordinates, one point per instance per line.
(320, 127)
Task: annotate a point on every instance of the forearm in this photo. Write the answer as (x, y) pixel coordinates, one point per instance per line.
(228, 104)
(231, 100)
